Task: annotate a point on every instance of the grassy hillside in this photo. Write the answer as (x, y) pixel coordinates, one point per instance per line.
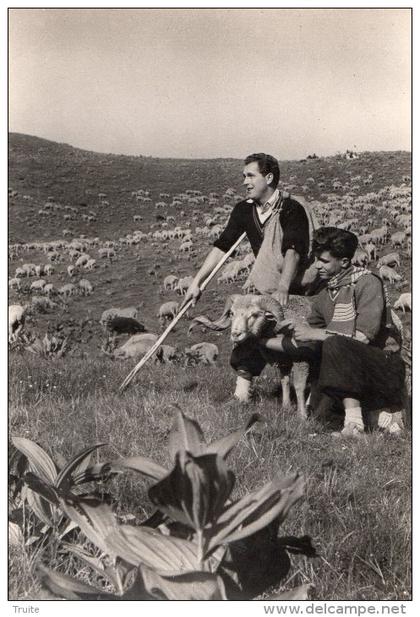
(39, 168)
(357, 501)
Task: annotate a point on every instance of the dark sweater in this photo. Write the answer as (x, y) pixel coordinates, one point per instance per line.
(244, 217)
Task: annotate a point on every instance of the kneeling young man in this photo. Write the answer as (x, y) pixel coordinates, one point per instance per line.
(351, 335)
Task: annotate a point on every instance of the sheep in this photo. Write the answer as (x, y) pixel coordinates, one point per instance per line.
(388, 274)
(183, 285)
(166, 354)
(49, 289)
(108, 314)
(398, 238)
(82, 260)
(360, 257)
(202, 353)
(136, 346)
(253, 317)
(86, 287)
(403, 302)
(17, 314)
(49, 270)
(71, 270)
(39, 270)
(14, 283)
(170, 282)
(370, 248)
(90, 265)
(38, 285)
(392, 259)
(68, 290)
(124, 325)
(168, 310)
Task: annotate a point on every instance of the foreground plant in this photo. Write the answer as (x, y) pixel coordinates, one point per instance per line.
(199, 544)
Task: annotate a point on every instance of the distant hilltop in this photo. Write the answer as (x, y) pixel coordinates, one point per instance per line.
(39, 167)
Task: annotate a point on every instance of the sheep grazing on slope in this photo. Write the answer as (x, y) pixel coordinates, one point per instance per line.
(253, 317)
(136, 346)
(391, 259)
(124, 325)
(388, 274)
(403, 302)
(17, 314)
(201, 353)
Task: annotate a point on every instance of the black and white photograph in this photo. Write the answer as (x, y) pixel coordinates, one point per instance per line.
(209, 271)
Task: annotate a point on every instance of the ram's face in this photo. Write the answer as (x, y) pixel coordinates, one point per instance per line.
(246, 323)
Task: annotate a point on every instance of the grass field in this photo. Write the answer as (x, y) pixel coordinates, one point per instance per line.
(356, 507)
(357, 503)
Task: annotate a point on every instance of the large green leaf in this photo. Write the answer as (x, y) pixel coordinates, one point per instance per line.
(78, 464)
(185, 434)
(95, 563)
(143, 465)
(141, 545)
(42, 488)
(39, 461)
(223, 446)
(189, 586)
(195, 491)
(67, 587)
(15, 535)
(38, 505)
(255, 511)
(101, 521)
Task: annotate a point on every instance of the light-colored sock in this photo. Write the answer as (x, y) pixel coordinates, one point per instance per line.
(384, 419)
(354, 416)
(243, 389)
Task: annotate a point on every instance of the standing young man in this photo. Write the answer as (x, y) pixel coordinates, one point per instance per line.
(351, 334)
(263, 202)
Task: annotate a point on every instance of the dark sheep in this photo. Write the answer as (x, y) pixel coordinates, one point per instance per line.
(125, 325)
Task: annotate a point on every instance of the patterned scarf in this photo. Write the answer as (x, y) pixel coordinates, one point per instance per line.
(341, 289)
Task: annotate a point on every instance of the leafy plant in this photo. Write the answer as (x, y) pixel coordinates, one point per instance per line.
(200, 544)
(54, 347)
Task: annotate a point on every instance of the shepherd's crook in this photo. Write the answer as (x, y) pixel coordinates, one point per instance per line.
(182, 312)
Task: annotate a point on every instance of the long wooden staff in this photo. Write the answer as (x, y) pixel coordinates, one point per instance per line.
(182, 312)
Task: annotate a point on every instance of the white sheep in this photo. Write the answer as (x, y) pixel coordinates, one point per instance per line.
(136, 346)
(202, 353)
(168, 310)
(170, 282)
(38, 285)
(392, 259)
(86, 287)
(183, 285)
(17, 314)
(68, 290)
(403, 302)
(388, 274)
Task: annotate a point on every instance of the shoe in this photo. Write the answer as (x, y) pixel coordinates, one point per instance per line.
(387, 421)
(350, 430)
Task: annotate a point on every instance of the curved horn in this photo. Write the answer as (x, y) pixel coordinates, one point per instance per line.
(271, 305)
(220, 324)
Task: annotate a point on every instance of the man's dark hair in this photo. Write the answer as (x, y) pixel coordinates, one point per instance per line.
(338, 242)
(267, 164)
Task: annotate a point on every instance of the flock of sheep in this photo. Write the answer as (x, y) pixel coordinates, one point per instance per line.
(63, 270)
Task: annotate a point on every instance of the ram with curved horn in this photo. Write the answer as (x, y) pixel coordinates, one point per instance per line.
(253, 317)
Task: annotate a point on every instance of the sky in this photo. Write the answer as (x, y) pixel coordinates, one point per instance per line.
(205, 83)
